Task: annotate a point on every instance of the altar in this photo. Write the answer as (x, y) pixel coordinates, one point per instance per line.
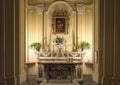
(60, 70)
(60, 64)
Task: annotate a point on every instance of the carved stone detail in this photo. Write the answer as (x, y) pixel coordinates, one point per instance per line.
(60, 12)
(40, 9)
(80, 8)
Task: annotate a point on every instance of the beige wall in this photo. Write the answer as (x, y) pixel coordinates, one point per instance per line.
(81, 27)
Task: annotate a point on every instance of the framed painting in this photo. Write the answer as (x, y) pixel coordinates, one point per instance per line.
(60, 25)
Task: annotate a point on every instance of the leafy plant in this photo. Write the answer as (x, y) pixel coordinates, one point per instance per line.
(36, 46)
(84, 45)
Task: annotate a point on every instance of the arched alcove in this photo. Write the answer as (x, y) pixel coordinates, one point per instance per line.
(49, 23)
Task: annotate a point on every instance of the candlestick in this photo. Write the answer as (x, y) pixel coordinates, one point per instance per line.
(53, 46)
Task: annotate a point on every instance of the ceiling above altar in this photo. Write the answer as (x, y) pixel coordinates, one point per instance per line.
(37, 2)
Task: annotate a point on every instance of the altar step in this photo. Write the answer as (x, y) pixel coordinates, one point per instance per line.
(78, 82)
(52, 83)
(59, 83)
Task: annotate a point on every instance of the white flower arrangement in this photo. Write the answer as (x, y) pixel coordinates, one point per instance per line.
(59, 40)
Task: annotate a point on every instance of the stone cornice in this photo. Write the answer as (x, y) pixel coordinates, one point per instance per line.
(48, 2)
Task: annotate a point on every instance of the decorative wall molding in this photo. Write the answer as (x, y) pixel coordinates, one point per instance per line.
(48, 3)
(40, 9)
(60, 12)
(80, 8)
(36, 2)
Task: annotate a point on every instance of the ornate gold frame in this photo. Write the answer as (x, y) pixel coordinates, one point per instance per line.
(60, 21)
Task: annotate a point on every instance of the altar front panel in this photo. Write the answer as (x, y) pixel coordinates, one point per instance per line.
(60, 71)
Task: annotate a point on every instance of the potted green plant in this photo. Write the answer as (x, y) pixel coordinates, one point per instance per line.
(36, 46)
(84, 45)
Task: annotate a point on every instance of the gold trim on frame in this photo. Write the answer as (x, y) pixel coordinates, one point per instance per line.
(60, 21)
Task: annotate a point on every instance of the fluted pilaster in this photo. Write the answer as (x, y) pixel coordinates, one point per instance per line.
(109, 49)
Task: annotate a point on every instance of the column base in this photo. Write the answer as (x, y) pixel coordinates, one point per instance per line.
(11, 80)
(2, 80)
(107, 80)
(22, 77)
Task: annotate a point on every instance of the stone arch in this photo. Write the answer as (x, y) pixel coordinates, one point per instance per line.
(60, 4)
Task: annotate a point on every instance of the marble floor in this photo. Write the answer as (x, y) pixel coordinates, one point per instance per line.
(59, 83)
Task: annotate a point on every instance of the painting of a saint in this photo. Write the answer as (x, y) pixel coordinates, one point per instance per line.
(60, 25)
